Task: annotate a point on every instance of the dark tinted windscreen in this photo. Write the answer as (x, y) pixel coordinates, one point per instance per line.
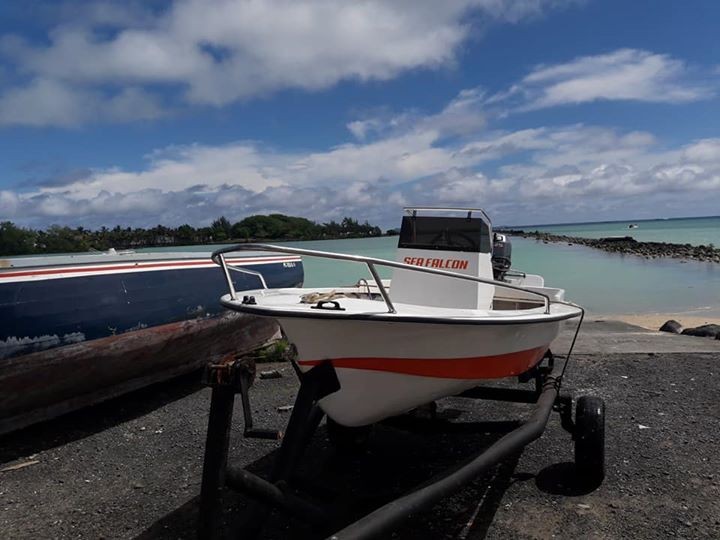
(445, 233)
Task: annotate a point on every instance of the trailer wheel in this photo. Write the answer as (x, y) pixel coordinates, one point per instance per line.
(348, 440)
(590, 438)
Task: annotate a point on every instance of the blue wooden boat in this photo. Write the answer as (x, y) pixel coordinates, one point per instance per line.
(78, 329)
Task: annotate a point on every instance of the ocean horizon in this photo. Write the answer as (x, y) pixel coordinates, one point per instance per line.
(695, 231)
(611, 221)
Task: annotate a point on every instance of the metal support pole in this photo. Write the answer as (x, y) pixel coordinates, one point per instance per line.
(251, 432)
(271, 494)
(514, 395)
(563, 405)
(381, 288)
(315, 384)
(216, 451)
(306, 415)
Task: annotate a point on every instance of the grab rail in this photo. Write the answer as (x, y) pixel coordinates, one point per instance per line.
(219, 259)
(412, 209)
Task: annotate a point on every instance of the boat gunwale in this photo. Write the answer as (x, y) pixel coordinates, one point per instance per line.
(218, 257)
(268, 311)
(31, 262)
(51, 272)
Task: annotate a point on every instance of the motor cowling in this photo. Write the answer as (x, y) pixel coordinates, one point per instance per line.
(501, 256)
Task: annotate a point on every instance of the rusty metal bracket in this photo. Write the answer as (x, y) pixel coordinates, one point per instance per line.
(237, 374)
(229, 372)
(563, 406)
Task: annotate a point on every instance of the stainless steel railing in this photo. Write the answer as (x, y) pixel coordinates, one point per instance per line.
(218, 258)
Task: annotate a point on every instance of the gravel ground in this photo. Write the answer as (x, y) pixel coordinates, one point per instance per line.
(131, 467)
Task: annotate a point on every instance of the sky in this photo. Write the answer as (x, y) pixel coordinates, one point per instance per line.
(138, 113)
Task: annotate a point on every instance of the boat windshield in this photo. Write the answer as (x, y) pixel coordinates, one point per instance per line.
(445, 233)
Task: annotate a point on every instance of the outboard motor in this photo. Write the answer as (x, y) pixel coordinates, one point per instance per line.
(501, 256)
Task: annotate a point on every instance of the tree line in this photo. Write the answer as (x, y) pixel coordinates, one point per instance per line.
(16, 240)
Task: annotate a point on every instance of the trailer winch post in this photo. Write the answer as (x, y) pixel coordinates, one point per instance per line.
(233, 377)
(215, 463)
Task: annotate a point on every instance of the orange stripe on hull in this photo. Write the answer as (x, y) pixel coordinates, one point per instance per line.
(475, 367)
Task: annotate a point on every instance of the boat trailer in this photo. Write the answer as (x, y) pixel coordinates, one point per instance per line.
(236, 376)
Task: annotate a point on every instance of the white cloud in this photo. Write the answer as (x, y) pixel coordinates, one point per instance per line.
(9, 203)
(45, 102)
(624, 74)
(461, 116)
(446, 158)
(578, 172)
(232, 49)
(705, 150)
(180, 168)
(362, 128)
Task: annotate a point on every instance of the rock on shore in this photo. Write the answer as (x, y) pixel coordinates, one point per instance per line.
(672, 326)
(706, 330)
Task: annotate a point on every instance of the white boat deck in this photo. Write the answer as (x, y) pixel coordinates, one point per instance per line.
(287, 302)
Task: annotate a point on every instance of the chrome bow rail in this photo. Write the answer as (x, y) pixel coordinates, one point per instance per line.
(218, 258)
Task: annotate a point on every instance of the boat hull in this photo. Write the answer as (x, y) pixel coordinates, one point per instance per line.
(46, 384)
(386, 368)
(43, 308)
(78, 333)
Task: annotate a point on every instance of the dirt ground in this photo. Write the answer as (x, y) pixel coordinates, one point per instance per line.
(131, 468)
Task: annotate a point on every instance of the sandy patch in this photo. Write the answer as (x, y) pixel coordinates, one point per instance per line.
(653, 321)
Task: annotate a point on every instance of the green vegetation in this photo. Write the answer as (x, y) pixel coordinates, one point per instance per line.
(276, 351)
(16, 240)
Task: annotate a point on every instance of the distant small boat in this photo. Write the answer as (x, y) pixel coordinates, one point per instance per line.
(633, 226)
(78, 329)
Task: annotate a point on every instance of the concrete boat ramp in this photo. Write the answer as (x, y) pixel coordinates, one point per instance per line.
(131, 468)
(602, 336)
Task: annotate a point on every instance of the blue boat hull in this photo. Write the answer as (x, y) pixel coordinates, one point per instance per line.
(76, 334)
(38, 315)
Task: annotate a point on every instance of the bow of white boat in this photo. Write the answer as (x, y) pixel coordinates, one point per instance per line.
(282, 303)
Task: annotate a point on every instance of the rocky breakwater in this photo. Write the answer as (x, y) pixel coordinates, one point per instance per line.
(627, 245)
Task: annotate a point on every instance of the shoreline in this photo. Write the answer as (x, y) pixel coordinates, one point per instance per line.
(653, 321)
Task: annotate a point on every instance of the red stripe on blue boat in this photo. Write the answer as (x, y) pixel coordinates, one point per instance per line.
(143, 266)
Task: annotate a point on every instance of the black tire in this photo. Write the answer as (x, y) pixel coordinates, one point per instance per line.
(590, 438)
(348, 440)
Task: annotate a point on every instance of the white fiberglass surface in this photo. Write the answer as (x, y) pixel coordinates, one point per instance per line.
(288, 300)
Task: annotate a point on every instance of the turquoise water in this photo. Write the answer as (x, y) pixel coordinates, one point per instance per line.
(695, 231)
(603, 283)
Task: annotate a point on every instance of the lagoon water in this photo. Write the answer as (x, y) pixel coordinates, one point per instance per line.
(695, 231)
(603, 283)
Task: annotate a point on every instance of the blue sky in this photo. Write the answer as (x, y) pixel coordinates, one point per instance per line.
(138, 113)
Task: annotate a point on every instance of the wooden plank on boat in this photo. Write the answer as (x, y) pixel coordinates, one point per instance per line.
(46, 384)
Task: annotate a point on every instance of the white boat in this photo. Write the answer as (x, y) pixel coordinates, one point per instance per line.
(444, 325)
